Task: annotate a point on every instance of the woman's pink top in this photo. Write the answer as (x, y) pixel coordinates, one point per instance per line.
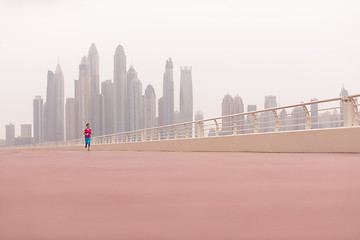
(87, 133)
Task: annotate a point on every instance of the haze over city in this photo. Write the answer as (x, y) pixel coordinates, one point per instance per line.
(295, 51)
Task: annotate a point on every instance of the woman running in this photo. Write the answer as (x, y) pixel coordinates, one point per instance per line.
(87, 133)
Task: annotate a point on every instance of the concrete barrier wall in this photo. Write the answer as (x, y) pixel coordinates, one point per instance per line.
(322, 140)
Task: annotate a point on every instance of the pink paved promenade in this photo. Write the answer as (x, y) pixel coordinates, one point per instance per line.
(46, 195)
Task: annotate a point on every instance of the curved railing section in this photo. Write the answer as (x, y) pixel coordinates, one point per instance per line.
(331, 113)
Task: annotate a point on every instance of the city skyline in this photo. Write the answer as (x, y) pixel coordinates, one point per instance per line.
(250, 48)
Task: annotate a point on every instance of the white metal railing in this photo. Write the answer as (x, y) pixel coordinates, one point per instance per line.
(331, 113)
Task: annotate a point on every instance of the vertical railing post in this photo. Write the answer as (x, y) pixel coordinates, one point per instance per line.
(176, 132)
(159, 134)
(308, 118)
(217, 130)
(350, 115)
(234, 125)
(256, 124)
(187, 131)
(356, 111)
(276, 117)
(167, 133)
(142, 135)
(200, 129)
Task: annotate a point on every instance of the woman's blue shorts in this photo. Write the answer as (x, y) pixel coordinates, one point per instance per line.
(87, 141)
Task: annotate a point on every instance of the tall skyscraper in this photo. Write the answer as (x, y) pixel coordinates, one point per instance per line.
(38, 119)
(120, 88)
(72, 120)
(238, 107)
(10, 134)
(135, 104)
(54, 110)
(131, 74)
(26, 130)
(199, 115)
(50, 109)
(84, 92)
(186, 95)
(93, 60)
(298, 118)
(108, 91)
(168, 94)
(161, 110)
(270, 102)
(149, 107)
(227, 109)
(60, 104)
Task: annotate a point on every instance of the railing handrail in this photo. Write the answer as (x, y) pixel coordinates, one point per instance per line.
(159, 130)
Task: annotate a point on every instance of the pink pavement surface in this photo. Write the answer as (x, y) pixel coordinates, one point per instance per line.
(46, 195)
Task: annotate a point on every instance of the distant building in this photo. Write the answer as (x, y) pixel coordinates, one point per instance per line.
(135, 104)
(55, 106)
(298, 118)
(161, 115)
(93, 61)
(10, 134)
(2, 143)
(251, 108)
(84, 93)
(18, 141)
(238, 107)
(26, 130)
(284, 120)
(186, 95)
(131, 74)
(149, 107)
(250, 123)
(227, 109)
(38, 119)
(108, 91)
(199, 115)
(167, 107)
(267, 119)
(121, 88)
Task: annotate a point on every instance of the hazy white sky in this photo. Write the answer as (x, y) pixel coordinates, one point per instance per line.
(295, 50)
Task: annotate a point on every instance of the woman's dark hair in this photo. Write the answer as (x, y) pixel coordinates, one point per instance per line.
(87, 124)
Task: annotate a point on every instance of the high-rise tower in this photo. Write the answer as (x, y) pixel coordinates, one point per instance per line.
(38, 119)
(135, 104)
(60, 104)
(186, 95)
(168, 94)
(120, 88)
(84, 93)
(95, 118)
(149, 107)
(55, 107)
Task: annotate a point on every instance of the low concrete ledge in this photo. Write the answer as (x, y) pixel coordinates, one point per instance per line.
(321, 140)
